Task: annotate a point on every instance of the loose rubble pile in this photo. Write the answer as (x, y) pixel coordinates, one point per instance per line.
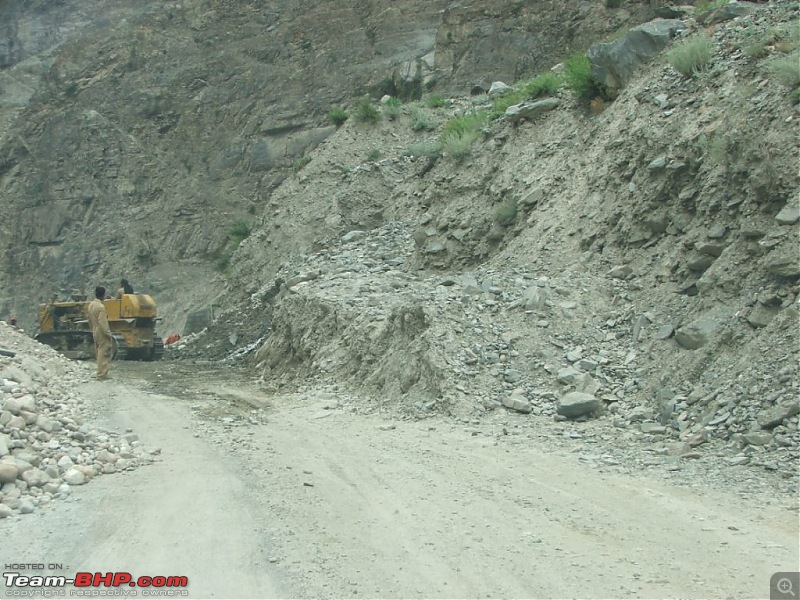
(634, 273)
(506, 339)
(46, 445)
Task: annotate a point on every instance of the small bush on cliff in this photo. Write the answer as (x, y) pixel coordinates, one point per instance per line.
(541, 85)
(338, 116)
(545, 84)
(786, 70)
(238, 232)
(579, 78)
(435, 101)
(392, 108)
(421, 121)
(300, 163)
(506, 213)
(367, 112)
(501, 103)
(428, 149)
(703, 7)
(460, 133)
(690, 56)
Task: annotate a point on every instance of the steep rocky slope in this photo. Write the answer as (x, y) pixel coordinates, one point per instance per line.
(651, 264)
(134, 137)
(638, 265)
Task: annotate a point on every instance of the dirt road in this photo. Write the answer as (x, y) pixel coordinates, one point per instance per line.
(295, 496)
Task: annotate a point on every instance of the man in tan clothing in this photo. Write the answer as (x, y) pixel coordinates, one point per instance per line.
(103, 343)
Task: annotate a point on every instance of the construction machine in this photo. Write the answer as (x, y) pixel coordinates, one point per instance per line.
(64, 325)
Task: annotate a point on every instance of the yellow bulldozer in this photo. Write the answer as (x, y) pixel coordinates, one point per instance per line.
(64, 325)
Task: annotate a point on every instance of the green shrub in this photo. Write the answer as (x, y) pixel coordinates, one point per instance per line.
(460, 133)
(421, 121)
(428, 149)
(786, 70)
(506, 213)
(466, 123)
(300, 163)
(690, 56)
(373, 155)
(392, 108)
(367, 112)
(613, 3)
(578, 75)
(756, 49)
(460, 146)
(545, 84)
(501, 103)
(703, 6)
(238, 232)
(222, 261)
(338, 116)
(435, 101)
(541, 85)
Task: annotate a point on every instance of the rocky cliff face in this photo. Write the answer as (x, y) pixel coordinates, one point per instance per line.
(134, 137)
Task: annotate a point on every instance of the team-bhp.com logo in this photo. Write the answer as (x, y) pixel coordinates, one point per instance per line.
(21, 585)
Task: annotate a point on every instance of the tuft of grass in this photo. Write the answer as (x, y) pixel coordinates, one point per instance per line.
(300, 163)
(692, 55)
(541, 85)
(501, 103)
(460, 133)
(421, 121)
(545, 84)
(373, 155)
(392, 108)
(429, 149)
(703, 6)
(435, 101)
(579, 78)
(367, 112)
(238, 232)
(786, 70)
(506, 213)
(222, 261)
(338, 116)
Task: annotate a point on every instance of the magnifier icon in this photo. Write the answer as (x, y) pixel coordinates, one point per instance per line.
(785, 587)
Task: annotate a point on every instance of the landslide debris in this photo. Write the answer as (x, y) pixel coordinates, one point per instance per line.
(636, 269)
(47, 444)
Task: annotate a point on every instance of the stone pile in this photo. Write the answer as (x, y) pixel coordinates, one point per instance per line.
(532, 344)
(46, 445)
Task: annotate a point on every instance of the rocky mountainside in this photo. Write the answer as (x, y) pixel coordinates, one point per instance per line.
(631, 265)
(134, 137)
(640, 263)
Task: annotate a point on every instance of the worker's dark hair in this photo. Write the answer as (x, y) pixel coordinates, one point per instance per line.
(100, 292)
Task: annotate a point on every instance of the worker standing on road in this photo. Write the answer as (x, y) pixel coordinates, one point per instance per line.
(103, 343)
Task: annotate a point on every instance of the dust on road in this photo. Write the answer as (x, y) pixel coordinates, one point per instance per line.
(295, 496)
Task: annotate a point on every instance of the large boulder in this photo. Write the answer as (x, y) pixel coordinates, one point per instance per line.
(726, 12)
(614, 63)
(531, 110)
(697, 334)
(577, 404)
(198, 320)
